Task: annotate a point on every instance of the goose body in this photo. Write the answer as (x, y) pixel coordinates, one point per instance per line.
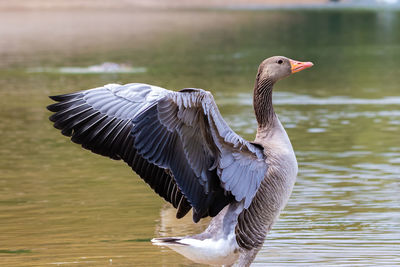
(180, 145)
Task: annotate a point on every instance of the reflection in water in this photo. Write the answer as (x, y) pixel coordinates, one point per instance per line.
(60, 204)
(169, 226)
(286, 98)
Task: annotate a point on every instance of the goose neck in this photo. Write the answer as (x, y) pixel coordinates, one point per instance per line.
(262, 100)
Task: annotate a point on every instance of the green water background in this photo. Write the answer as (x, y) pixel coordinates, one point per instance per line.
(60, 204)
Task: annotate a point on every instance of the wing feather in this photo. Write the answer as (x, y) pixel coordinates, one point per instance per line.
(101, 122)
(177, 142)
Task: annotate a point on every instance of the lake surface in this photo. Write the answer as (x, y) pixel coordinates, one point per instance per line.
(61, 205)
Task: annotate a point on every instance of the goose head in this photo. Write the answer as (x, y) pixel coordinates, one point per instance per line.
(270, 71)
(279, 67)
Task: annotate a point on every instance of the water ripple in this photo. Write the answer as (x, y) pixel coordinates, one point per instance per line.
(286, 98)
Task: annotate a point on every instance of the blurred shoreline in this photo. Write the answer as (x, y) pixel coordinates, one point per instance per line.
(18, 5)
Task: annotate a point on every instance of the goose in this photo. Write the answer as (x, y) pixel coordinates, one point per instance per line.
(179, 144)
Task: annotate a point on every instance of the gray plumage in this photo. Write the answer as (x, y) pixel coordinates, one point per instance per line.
(180, 145)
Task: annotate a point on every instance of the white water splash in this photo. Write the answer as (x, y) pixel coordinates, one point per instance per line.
(106, 67)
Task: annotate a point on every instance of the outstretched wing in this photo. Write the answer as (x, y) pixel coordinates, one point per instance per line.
(100, 120)
(177, 142)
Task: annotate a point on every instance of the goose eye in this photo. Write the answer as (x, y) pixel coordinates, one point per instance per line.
(280, 61)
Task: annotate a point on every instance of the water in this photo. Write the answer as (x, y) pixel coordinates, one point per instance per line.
(61, 205)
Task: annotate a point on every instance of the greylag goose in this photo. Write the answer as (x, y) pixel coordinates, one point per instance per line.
(181, 146)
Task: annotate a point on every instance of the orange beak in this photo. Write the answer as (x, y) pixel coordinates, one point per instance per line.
(299, 66)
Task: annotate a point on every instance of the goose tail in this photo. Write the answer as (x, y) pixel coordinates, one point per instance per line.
(206, 251)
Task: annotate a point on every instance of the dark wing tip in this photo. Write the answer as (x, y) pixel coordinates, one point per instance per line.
(183, 208)
(52, 108)
(61, 98)
(64, 97)
(55, 97)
